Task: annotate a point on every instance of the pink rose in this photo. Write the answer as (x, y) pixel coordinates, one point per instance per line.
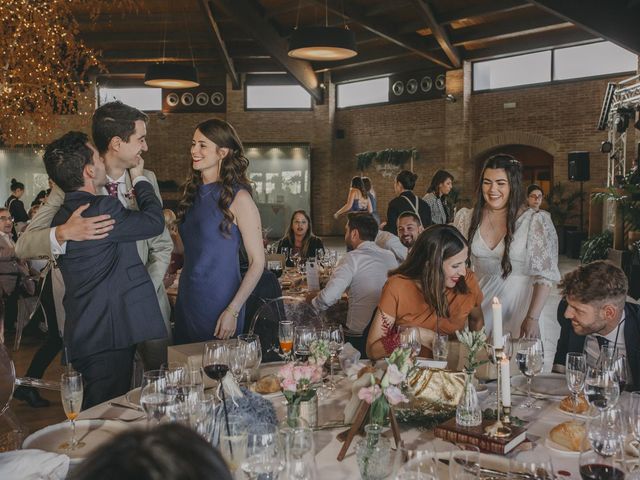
(394, 375)
(369, 394)
(289, 385)
(394, 395)
(286, 371)
(316, 374)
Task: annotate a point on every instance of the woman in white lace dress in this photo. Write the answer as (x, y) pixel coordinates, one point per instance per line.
(514, 249)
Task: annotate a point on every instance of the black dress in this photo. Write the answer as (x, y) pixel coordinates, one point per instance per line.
(16, 209)
(315, 244)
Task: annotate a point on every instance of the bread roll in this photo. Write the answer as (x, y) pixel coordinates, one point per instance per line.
(570, 435)
(268, 384)
(581, 406)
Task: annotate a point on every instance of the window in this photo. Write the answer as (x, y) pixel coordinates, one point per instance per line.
(512, 71)
(365, 92)
(142, 98)
(25, 165)
(277, 97)
(600, 58)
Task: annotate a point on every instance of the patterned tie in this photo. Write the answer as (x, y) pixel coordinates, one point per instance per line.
(112, 189)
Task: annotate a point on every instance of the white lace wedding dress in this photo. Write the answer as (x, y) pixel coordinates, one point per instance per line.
(534, 259)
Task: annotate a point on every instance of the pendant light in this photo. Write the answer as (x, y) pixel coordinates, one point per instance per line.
(172, 75)
(322, 43)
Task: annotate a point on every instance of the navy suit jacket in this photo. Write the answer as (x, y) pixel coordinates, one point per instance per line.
(110, 301)
(569, 341)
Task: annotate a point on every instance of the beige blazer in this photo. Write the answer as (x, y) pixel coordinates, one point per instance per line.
(154, 252)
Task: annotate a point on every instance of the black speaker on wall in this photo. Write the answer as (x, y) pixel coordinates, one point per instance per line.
(579, 166)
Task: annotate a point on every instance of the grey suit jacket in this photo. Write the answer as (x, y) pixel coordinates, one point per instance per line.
(155, 252)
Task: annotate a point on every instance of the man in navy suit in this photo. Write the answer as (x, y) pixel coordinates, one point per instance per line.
(110, 301)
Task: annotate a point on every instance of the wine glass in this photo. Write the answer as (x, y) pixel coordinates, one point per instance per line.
(264, 458)
(530, 358)
(155, 396)
(299, 452)
(601, 387)
(303, 336)
(253, 350)
(634, 415)
(202, 415)
(464, 463)
(71, 392)
(176, 373)
(440, 347)
(336, 341)
(215, 359)
(285, 337)
(531, 465)
(575, 372)
(237, 351)
(410, 338)
(620, 369)
(605, 460)
(233, 442)
(416, 464)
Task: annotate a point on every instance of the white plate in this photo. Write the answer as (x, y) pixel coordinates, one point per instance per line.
(559, 449)
(270, 368)
(591, 413)
(92, 433)
(548, 384)
(133, 397)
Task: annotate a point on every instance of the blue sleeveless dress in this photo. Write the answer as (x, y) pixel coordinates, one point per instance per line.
(211, 273)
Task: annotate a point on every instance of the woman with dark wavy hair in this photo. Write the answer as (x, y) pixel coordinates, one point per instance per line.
(432, 290)
(357, 200)
(215, 214)
(300, 238)
(436, 197)
(514, 249)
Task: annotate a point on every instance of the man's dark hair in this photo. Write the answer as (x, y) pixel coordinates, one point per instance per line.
(413, 215)
(114, 119)
(365, 224)
(65, 159)
(167, 452)
(596, 283)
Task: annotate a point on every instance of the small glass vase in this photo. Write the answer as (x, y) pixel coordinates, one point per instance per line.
(304, 410)
(468, 411)
(374, 454)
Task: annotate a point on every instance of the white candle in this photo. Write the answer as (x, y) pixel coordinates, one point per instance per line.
(505, 382)
(497, 322)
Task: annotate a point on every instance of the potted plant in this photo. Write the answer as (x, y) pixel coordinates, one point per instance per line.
(627, 197)
(561, 205)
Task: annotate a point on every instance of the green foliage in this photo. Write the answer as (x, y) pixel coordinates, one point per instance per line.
(628, 199)
(596, 247)
(562, 203)
(388, 156)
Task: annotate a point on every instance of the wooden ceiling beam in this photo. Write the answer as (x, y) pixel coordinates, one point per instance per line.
(385, 54)
(100, 38)
(566, 37)
(426, 13)
(503, 30)
(481, 10)
(412, 43)
(385, 6)
(291, 6)
(399, 65)
(614, 21)
(250, 19)
(220, 46)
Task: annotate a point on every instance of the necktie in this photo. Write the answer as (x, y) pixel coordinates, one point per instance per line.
(602, 341)
(112, 189)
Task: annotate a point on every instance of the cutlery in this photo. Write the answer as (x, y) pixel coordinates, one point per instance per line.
(129, 406)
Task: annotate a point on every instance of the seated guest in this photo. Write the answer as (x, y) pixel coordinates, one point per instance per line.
(598, 314)
(409, 228)
(389, 241)
(110, 302)
(300, 238)
(167, 452)
(406, 200)
(432, 290)
(362, 272)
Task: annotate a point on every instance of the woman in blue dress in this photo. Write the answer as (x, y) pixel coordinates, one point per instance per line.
(357, 201)
(215, 214)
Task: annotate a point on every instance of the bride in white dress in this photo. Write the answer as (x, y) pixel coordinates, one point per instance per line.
(514, 249)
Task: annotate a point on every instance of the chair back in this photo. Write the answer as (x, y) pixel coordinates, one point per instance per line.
(7, 378)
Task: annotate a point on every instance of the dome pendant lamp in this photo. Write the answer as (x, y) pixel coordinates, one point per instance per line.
(171, 75)
(322, 43)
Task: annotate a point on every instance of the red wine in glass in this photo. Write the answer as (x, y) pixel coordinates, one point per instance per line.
(216, 371)
(597, 471)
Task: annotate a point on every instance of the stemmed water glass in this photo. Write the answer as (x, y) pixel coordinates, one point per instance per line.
(440, 347)
(237, 351)
(575, 372)
(601, 387)
(530, 358)
(264, 458)
(410, 338)
(303, 336)
(233, 442)
(155, 395)
(253, 351)
(176, 373)
(72, 392)
(532, 466)
(634, 423)
(285, 337)
(336, 341)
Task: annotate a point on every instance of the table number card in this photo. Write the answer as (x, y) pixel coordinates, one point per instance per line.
(313, 276)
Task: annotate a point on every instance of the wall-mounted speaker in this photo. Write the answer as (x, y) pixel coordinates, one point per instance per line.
(579, 166)
(340, 133)
(202, 99)
(414, 86)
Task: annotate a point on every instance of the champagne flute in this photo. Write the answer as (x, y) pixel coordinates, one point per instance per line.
(410, 338)
(253, 350)
(237, 350)
(336, 341)
(530, 358)
(155, 396)
(575, 372)
(264, 459)
(601, 387)
(285, 337)
(71, 392)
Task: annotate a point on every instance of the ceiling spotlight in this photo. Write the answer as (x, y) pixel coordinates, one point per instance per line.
(606, 146)
(621, 118)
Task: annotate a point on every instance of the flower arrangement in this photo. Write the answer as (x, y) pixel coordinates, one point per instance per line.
(298, 381)
(474, 341)
(389, 391)
(319, 352)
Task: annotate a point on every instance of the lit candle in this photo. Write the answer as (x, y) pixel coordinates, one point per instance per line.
(505, 382)
(497, 322)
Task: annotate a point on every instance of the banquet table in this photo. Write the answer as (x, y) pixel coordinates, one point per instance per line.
(331, 410)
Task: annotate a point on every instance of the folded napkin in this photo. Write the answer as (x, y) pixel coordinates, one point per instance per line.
(349, 357)
(33, 465)
(632, 447)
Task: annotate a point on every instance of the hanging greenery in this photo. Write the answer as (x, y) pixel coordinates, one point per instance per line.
(389, 156)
